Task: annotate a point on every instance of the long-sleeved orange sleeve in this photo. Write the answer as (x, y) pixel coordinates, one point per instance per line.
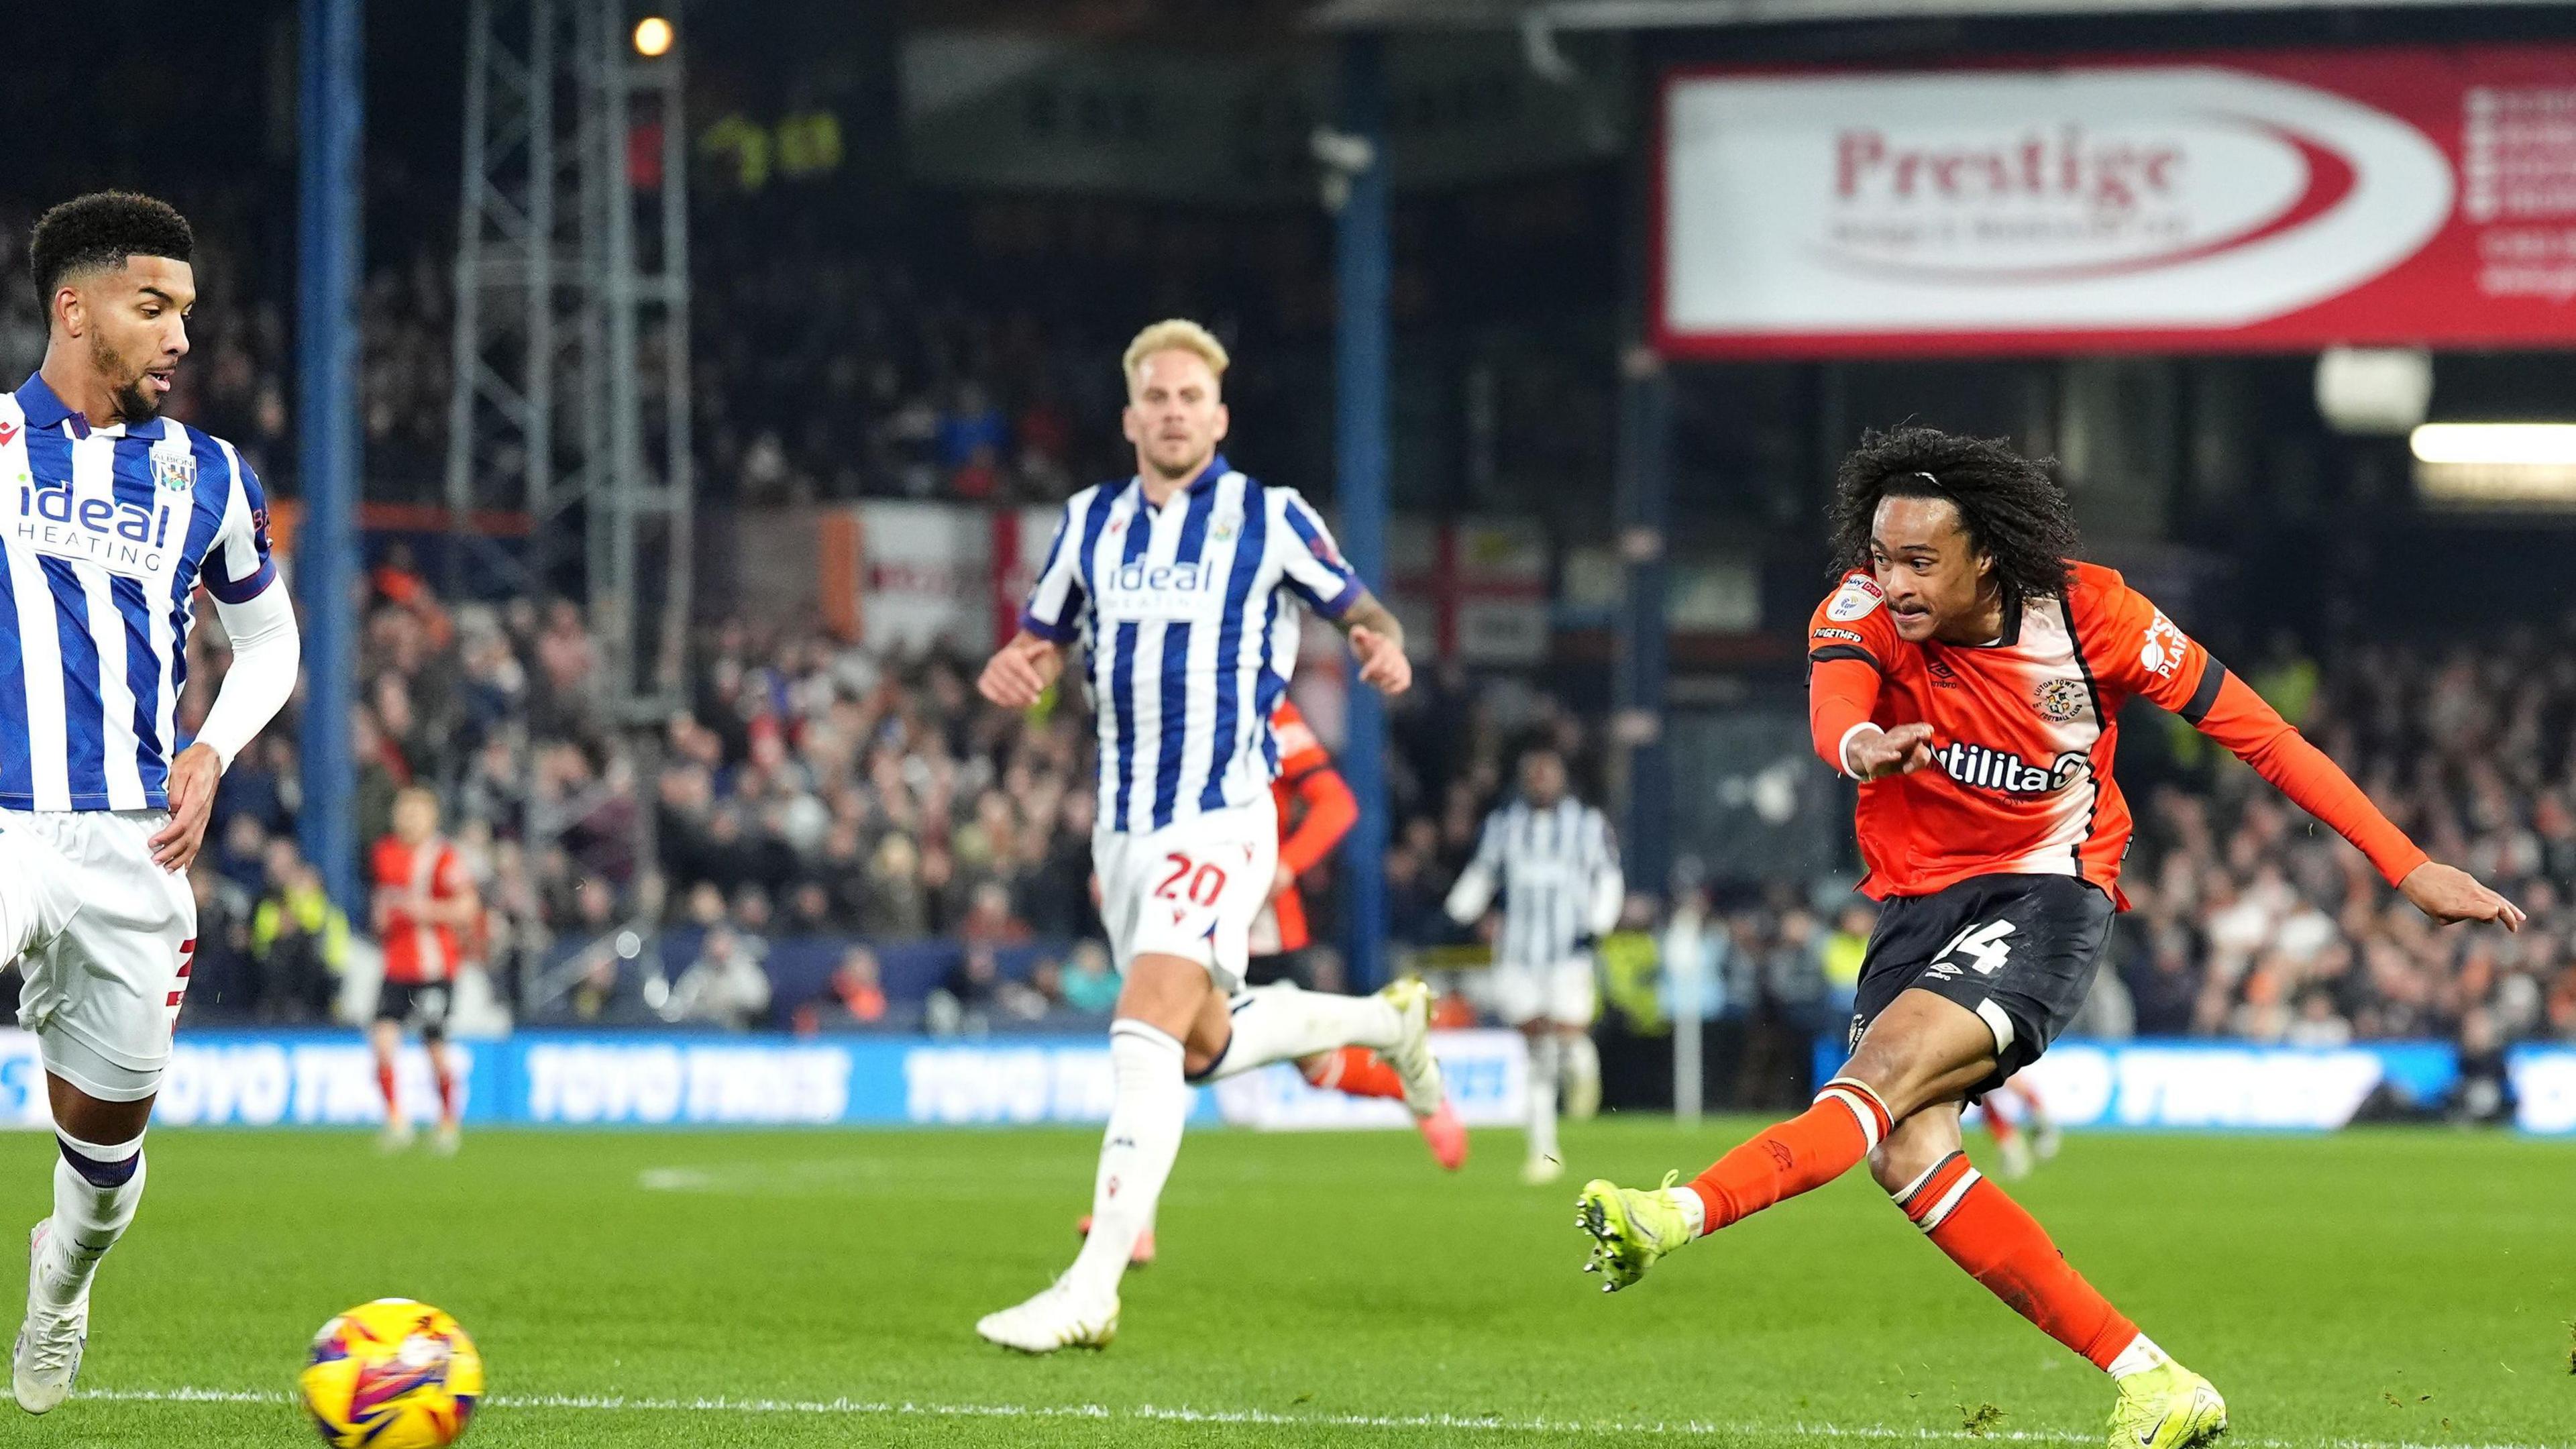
(1842, 691)
(1331, 811)
(2254, 732)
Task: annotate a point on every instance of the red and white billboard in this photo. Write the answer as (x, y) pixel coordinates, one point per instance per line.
(2225, 200)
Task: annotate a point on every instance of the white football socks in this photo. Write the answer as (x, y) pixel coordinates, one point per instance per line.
(1136, 1151)
(88, 1217)
(1546, 1064)
(2140, 1356)
(1283, 1023)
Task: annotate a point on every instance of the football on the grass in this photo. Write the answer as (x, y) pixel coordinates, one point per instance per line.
(392, 1374)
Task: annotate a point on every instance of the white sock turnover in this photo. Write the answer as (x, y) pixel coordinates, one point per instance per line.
(2140, 1356)
(93, 1204)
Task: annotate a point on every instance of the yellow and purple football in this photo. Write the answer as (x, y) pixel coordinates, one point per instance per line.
(392, 1374)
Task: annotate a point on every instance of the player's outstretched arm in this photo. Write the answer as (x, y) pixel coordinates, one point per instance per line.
(2237, 717)
(1377, 640)
(1020, 671)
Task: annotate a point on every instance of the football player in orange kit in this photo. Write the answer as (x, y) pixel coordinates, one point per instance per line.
(1312, 793)
(425, 902)
(1970, 673)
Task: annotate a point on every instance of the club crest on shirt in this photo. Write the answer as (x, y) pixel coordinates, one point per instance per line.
(1853, 600)
(2060, 701)
(175, 471)
(1225, 526)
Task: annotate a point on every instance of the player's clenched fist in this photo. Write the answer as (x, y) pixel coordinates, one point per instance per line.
(1020, 671)
(1876, 754)
(2447, 894)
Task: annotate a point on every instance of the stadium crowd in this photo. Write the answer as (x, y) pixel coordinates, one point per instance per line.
(950, 401)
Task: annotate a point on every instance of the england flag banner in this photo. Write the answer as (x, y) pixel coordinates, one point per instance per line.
(2218, 201)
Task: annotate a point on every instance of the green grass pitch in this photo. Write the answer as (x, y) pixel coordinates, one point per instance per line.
(2373, 1288)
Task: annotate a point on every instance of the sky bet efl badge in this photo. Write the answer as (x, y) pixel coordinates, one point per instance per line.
(175, 471)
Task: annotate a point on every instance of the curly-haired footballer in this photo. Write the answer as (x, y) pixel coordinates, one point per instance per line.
(1970, 674)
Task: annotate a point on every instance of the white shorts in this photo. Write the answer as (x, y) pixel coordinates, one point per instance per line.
(1189, 889)
(103, 937)
(1562, 992)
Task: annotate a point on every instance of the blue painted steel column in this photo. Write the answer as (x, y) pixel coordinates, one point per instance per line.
(1360, 267)
(328, 221)
(1644, 489)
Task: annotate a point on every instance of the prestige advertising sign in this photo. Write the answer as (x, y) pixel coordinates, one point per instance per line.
(2258, 200)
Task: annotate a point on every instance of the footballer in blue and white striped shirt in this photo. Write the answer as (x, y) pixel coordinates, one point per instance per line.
(115, 516)
(1183, 586)
(1556, 866)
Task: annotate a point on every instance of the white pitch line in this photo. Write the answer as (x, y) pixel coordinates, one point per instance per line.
(1472, 1423)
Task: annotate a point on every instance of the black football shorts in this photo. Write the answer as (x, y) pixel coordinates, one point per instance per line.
(2018, 950)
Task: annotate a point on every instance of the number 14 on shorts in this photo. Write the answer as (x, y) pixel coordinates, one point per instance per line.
(1983, 945)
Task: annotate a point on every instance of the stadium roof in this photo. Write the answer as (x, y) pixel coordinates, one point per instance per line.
(1673, 14)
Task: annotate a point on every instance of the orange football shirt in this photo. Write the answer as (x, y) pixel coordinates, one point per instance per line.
(2024, 731)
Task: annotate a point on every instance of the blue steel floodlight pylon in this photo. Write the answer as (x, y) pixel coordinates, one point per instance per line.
(570, 394)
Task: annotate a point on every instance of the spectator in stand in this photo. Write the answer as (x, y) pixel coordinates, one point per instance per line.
(299, 942)
(988, 920)
(1034, 999)
(964, 1001)
(852, 999)
(223, 981)
(1089, 985)
(898, 908)
(724, 988)
(1844, 949)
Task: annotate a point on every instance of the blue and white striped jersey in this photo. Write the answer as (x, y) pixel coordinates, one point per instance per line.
(1558, 870)
(1186, 614)
(112, 530)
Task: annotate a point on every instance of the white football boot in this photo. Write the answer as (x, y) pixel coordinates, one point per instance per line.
(1056, 1318)
(1411, 1055)
(48, 1353)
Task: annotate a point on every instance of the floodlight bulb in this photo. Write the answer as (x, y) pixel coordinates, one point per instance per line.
(653, 37)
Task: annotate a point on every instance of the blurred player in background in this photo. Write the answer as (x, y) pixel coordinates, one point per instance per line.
(1969, 671)
(1182, 585)
(1552, 858)
(1316, 809)
(2018, 1121)
(122, 514)
(425, 905)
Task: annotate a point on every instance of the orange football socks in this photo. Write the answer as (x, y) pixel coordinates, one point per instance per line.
(2005, 1248)
(1788, 1158)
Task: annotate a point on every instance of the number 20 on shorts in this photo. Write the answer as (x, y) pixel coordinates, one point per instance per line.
(1201, 883)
